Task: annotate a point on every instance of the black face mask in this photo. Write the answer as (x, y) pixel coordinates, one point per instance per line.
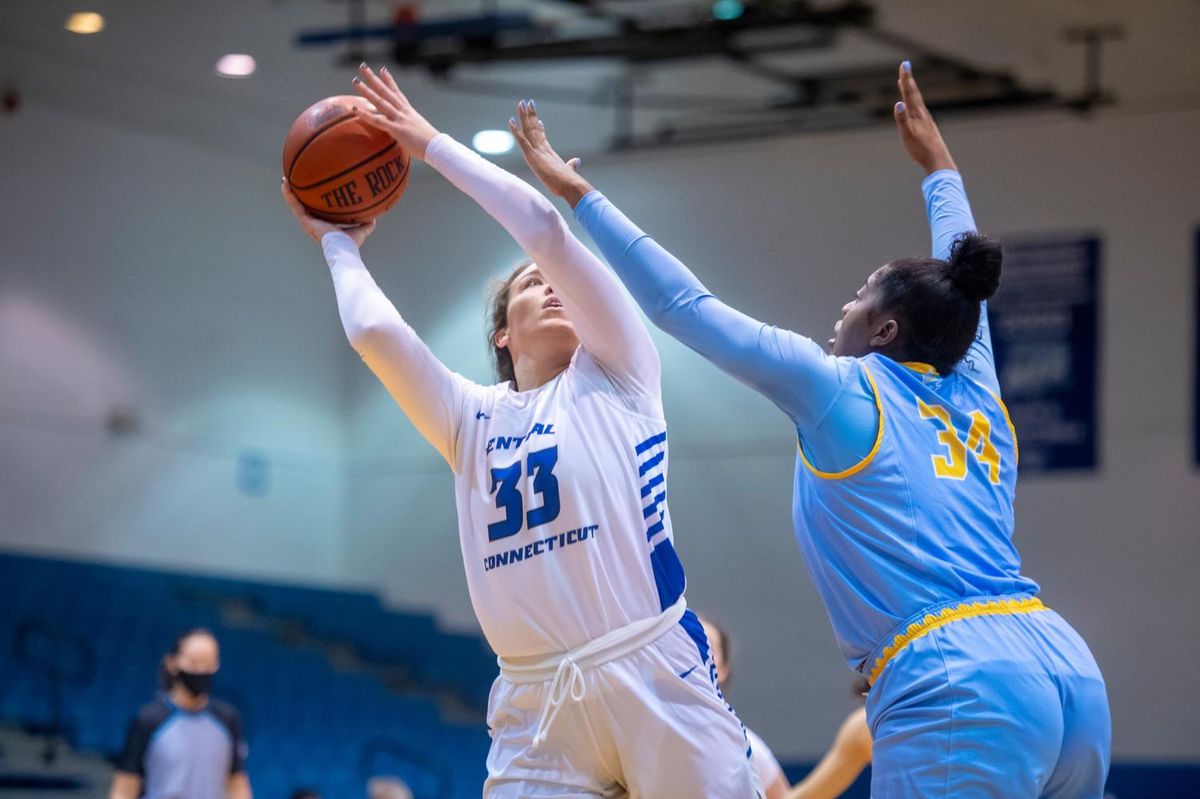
(195, 683)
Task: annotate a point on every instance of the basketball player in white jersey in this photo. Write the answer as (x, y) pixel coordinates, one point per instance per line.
(606, 686)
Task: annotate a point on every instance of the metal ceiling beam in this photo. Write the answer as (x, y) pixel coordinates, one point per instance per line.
(807, 101)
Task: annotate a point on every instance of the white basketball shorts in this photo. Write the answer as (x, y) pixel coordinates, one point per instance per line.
(647, 724)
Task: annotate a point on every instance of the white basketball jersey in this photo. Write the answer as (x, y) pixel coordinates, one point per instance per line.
(562, 511)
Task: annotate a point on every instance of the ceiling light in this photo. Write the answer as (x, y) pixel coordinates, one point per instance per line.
(493, 142)
(727, 9)
(85, 22)
(236, 65)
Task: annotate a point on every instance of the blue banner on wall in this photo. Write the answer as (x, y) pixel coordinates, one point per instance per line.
(1045, 331)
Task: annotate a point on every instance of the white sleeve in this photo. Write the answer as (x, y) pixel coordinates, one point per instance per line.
(603, 313)
(429, 394)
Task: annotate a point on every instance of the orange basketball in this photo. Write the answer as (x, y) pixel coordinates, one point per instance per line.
(340, 166)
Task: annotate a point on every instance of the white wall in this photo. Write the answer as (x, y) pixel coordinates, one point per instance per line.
(141, 270)
(786, 230)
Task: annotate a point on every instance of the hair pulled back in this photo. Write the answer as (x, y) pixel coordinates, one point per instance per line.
(497, 320)
(937, 302)
(974, 266)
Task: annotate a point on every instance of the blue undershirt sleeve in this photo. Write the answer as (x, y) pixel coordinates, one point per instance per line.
(793, 371)
(949, 217)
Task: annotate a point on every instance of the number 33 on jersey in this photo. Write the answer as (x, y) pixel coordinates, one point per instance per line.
(563, 519)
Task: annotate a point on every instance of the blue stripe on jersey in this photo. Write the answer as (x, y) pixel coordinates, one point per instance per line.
(650, 486)
(650, 470)
(650, 464)
(653, 506)
(668, 573)
(650, 442)
(695, 630)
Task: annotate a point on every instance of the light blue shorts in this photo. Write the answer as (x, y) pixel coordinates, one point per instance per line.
(1008, 706)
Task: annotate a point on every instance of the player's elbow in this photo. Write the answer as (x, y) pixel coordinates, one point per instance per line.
(674, 315)
(544, 231)
(659, 314)
(664, 311)
(366, 335)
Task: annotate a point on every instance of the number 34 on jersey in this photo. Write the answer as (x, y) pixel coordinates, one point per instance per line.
(951, 463)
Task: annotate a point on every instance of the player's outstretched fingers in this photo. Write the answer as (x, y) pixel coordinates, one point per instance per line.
(377, 92)
(390, 82)
(529, 127)
(368, 76)
(372, 97)
(535, 128)
(910, 93)
(540, 126)
(518, 132)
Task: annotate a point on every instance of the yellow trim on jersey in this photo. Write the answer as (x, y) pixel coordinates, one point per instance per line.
(1011, 428)
(967, 610)
(923, 368)
(858, 467)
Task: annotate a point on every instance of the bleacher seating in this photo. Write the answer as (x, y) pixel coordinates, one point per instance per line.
(308, 722)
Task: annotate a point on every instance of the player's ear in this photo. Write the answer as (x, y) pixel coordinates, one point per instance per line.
(885, 333)
(501, 338)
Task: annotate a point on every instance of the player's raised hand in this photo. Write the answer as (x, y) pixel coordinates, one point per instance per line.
(560, 177)
(317, 228)
(918, 132)
(393, 112)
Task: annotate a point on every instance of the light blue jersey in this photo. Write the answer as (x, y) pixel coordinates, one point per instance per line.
(903, 506)
(889, 537)
(925, 517)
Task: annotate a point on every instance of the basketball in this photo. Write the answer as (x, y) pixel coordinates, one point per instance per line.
(340, 166)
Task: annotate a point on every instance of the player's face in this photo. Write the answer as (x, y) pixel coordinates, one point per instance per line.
(853, 333)
(536, 322)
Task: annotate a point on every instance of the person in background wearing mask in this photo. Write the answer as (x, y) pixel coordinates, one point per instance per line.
(184, 744)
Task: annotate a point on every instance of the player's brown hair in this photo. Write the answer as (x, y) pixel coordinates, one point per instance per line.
(497, 320)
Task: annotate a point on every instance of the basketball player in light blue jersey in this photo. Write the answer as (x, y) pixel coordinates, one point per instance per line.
(905, 478)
